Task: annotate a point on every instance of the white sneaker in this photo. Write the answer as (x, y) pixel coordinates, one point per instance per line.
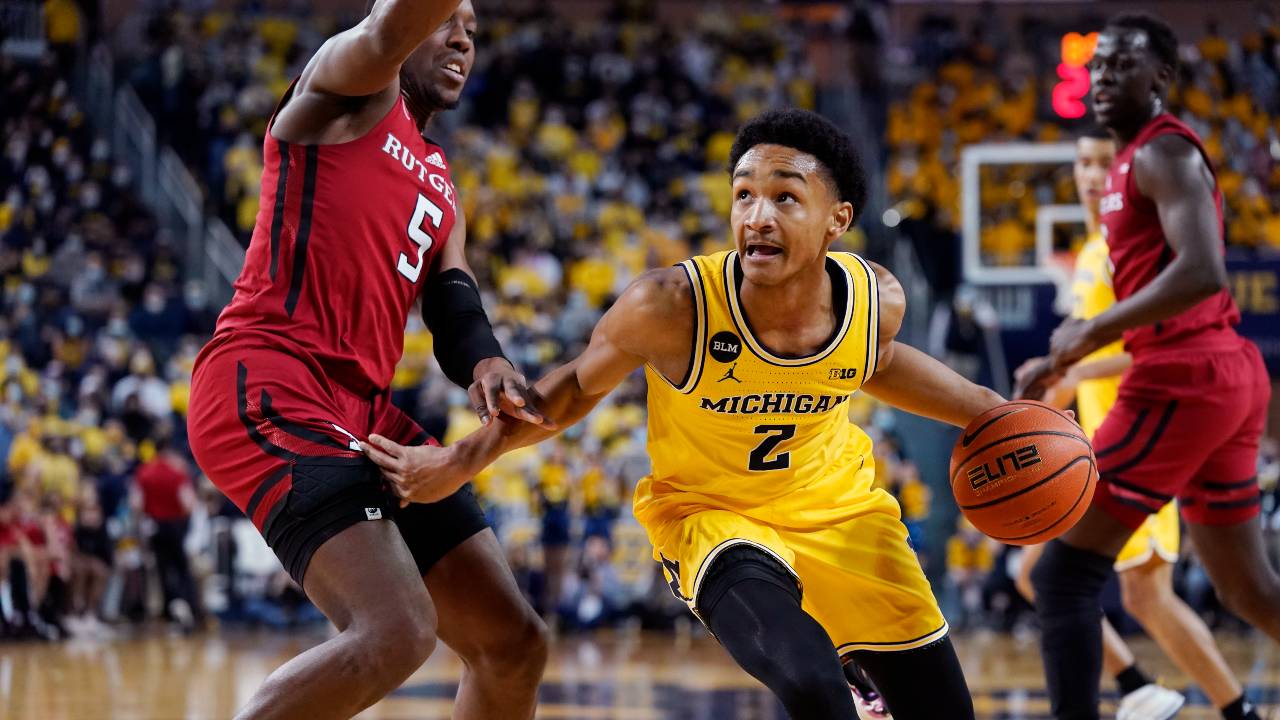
(869, 706)
(1150, 702)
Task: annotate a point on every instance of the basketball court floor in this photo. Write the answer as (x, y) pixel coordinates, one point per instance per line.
(627, 676)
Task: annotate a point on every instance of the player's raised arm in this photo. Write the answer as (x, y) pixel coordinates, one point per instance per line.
(911, 380)
(1172, 173)
(651, 322)
(367, 58)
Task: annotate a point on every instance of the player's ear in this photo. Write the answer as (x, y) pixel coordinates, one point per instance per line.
(1163, 79)
(841, 218)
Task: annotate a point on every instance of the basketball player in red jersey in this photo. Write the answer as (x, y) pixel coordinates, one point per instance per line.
(358, 219)
(1191, 409)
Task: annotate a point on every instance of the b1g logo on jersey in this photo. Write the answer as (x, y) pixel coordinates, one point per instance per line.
(725, 347)
(1111, 202)
(989, 472)
(842, 374)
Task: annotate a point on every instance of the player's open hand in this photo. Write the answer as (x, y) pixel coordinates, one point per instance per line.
(418, 473)
(500, 388)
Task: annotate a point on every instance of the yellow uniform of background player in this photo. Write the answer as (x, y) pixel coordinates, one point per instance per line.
(757, 449)
(1092, 294)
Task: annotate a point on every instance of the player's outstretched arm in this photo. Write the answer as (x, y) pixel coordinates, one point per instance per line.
(367, 58)
(651, 322)
(911, 380)
(1171, 172)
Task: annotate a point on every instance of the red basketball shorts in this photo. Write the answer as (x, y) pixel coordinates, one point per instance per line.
(282, 441)
(1186, 426)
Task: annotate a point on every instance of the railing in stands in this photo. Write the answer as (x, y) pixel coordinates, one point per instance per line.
(22, 29)
(210, 252)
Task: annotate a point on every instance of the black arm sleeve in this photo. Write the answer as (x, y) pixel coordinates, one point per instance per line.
(460, 330)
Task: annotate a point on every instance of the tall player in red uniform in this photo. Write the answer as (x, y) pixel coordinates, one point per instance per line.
(1191, 409)
(359, 218)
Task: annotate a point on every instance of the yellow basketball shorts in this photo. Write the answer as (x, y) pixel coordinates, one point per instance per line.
(859, 578)
(1157, 536)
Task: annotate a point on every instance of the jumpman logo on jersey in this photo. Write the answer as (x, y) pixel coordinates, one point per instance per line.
(730, 376)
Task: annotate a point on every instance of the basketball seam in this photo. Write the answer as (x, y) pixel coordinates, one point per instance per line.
(1087, 486)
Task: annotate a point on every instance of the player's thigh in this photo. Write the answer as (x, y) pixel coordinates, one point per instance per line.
(1145, 586)
(1235, 556)
(364, 575)
(480, 606)
(688, 545)
(1027, 562)
(864, 584)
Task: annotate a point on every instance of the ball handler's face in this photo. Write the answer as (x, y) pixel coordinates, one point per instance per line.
(785, 213)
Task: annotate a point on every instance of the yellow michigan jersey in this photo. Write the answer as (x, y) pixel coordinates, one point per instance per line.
(750, 447)
(1092, 294)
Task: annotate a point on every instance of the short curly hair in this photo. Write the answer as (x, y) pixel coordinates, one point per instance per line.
(810, 133)
(1164, 43)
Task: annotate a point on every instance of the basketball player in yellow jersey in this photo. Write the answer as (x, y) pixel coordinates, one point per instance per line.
(760, 504)
(1145, 565)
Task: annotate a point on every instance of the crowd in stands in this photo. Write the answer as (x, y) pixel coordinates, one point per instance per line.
(584, 154)
(994, 84)
(97, 336)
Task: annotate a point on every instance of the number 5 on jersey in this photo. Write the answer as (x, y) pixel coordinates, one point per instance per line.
(423, 238)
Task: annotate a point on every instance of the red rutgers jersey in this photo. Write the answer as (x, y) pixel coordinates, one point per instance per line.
(1139, 251)
(345, 237)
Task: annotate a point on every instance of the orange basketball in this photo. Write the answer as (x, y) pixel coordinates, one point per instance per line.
(1023, 472)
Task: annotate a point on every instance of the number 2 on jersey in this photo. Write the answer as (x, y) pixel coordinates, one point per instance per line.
(774, 435)
(423, 238)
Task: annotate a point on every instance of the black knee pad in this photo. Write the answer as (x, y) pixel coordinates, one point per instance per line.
(1065, 575)
(738, 563)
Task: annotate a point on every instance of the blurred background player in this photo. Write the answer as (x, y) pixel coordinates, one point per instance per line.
(760, 505)
(1145, 565)
(1192, 407)
(358, 219)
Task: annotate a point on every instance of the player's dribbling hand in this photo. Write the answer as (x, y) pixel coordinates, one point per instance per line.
(500, 388)
(419, 473)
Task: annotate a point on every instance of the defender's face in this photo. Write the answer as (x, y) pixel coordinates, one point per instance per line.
(1093, 161)
(1126, 77)
(439, 68)
(784, 214)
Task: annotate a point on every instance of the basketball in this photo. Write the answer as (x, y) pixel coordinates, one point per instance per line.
(1023, 472)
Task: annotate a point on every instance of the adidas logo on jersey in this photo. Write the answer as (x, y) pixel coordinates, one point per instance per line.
(402, 154)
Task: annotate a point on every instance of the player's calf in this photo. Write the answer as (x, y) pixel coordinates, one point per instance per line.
(752, 605)
(1068, 582)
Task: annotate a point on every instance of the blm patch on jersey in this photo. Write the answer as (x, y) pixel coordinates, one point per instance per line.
(725, 347)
